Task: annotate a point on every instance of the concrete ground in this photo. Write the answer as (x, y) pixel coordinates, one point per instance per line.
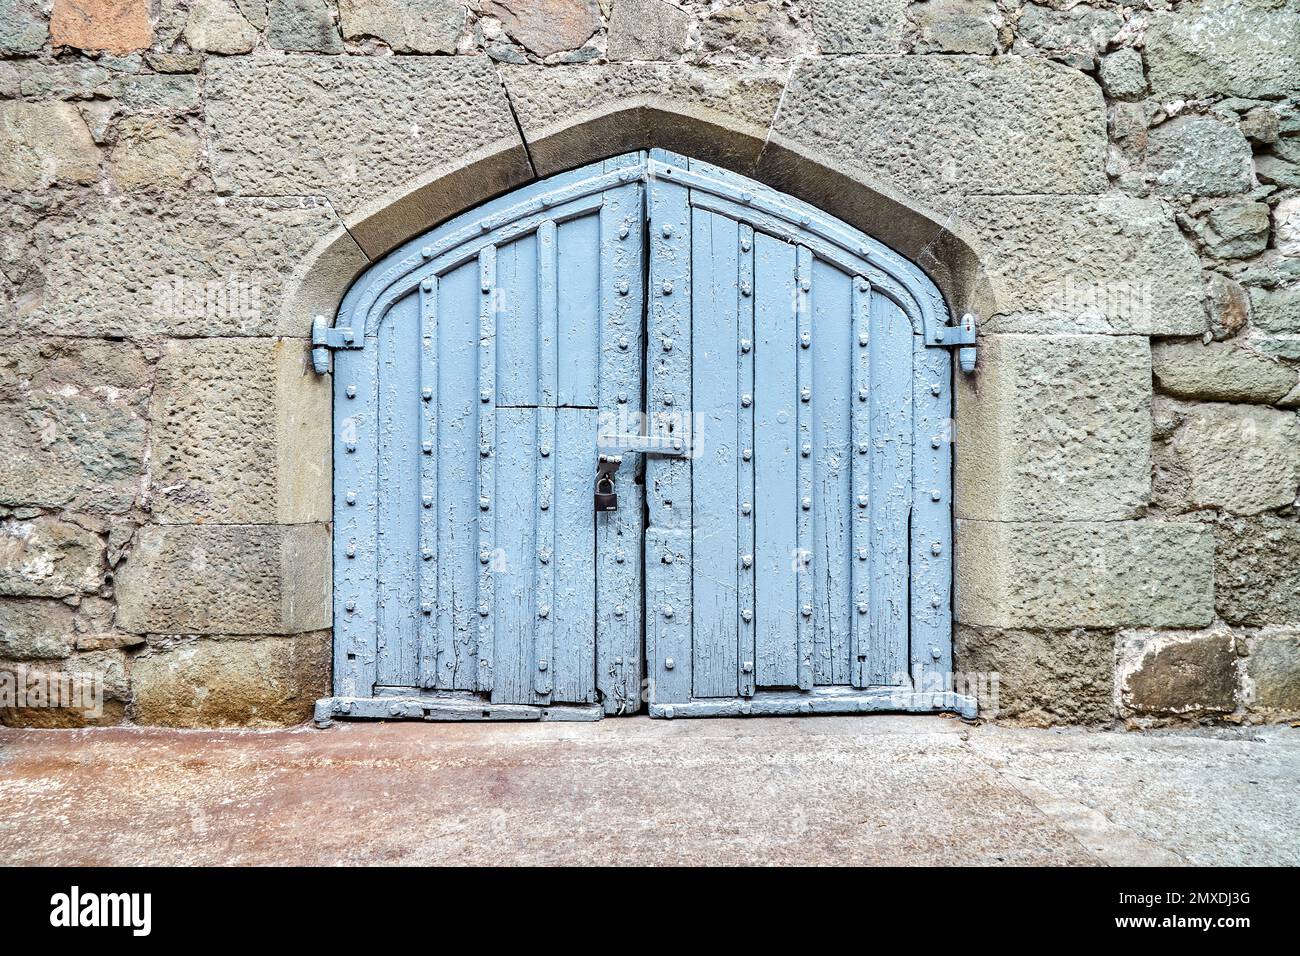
(876, 789)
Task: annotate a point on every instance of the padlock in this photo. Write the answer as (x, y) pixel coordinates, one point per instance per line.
(606, 499)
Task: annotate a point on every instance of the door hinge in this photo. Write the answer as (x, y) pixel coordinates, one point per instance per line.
(325, 337)
(960, 337)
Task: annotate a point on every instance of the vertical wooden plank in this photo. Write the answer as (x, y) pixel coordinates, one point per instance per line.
(400, 451)
(803, 322)
(428, 514)
(618, 533)
(716, 401)
(860, 558)
(456, 507)
(547, 318)
(744, 350)
(891, 490)
(776, 496)
(573, 608)
(668, 552)
(519, 591)
(520, 338)
(832, 353)
(487, 466)
(578, 292)
(931, 546)
(539, 497)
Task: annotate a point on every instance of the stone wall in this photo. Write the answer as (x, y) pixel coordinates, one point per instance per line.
(185, 182)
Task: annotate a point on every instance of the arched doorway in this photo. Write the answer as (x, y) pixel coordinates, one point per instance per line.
(759, 393)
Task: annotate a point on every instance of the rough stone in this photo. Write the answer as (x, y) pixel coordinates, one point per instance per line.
(304, 26)
(1084, 574)
(1242, 458)
(156, 93)
(1286, 226)
(1224, 47)
(1199, 156)
(48, 557)
(1277, 171)
(408, 26)
(1081, 264)
(73, 419)
(113, 26)
(45, 143)
(225, 682)
(75, 681)
(1178, 674)
(150, 153)
(1237, 230)
(545, 27)
(860, 26)
(217, 26)
(1044, 678)
(420, 112)
(761, 29)
(1261, 124)
(1121, 74)
(23, 26)
(33, 630)
(936, 126)
(1276, 311)
(1257, 570)
(173, 266)
(548, 100)
(240, 434)
(1081, 29)
(647, 30)
(956, 26)
(1274, 671)
(1219, 372)
(1226, 306)
(226, 579)
(1055, 428)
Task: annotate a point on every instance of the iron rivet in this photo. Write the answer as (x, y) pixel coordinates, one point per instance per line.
(619, 557)
(427, 285)
(426, 393)
(544, 556)
(745, 345)
(746, 507)
(426, 608)
(485, 450)
(668, 398)
(667, 558)
(544, 611)
(622, 342)
(746, 400)
(862, 394)
(668, 610)
(545, 504)
(484, 557)
(483, 503)
(862, 338)
(936, 441)
(862, 501)
(668, 344)
(426, 554)
(935, 495)
(618, 610)
(935, 652)
(747, 197)
(806, 504)
(351, 391)
(806, 610)
(805, 394)
(747, 667)
(936, 549)
(427, 501)
(622, 398)
(862, 286)
(623, 231)
(668, 288)
(542, 665)
(747, 454)
(805, 339)
(746, 560)
(428, 447)
(669, 663)
(486, 287)
(862, 607)
(667, 229)
(351, 447)
(862, 554)
(805, 285)
(545, 451)
(806, 450)
(747, 614)
(427, 252)
(744, 289)
(934, 601)
(352, 549)
(622, 288)
(485, 396)
(352, 497)
(862, 448)
(350, 605)
(483, 611)
(744, 245)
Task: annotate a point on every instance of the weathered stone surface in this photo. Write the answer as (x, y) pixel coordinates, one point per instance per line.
(240, 433)
(548, 100)
(1084, 574)
(647, 30)
(1277, 171)
(1276, 311)
(1257, 570)
(936, 126)
(546, 26)
(173, 266)
(1261, 124)
(45, 143)
(420, 113)
(47, 557)
(211, 682)
(1242, 458)
(1274, 671)
(1286, 226)
(23, 26)
(956, 26)
(32, 630)
(1121, 74)
(758, 29)
(1199, 156)
(1178, 674)
(1078, 264)
(408, 26)
(1055, 428)
(860, 26)
(1226, 306)
(1080, 29)
(87, 690)
(114, 26)
(303, 26)
(1044, 678)
(73, 419)
(1237, 230)
(1219, 371)
(226, 579)
(1232, 47)
(150, 153)
(217, 26)
(156, 93)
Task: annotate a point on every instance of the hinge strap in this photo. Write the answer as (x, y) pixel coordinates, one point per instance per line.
(325, 337)
(960, 337)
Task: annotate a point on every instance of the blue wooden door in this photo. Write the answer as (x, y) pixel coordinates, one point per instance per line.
(783, 500)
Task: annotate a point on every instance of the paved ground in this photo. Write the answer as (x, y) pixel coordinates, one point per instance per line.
(800, 790)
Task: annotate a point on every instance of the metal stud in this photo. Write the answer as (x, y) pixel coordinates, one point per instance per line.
(619, 557)
(484, 503)
(934, 601)
(622, 398)
(745, 345)
(544, 556)
(351, 391)
(484, 450)
(862, 338)
(427, 501)
(427, 252)
(544, 504)
(934, 388)
(935, 652)
(746, 507)
(862, 607)
(806, 610)
(619, 610)
(426, 393)
(351, 497)
(935, 441)
(936, 549)
(427, 285)
(805, 285)
(805, 394)
(806, 450)
(746, 400)
(667, 229)
(352, 549)
(542, 665)
(862, 501)
(744, 245)
(669, 663)
(747, 667)
(805, 339)
(863, 448)
(622, 342)
(545, 450)
(350, 606)
(482, 610)
(667, 344)
(744, 289)
(668, 611)
(746, 560)
(622, 287)
(544, 611)
(667, 288)
(351, 447)
(668, 398)
(862, 394)
(862, 554)
(747, 615)
(426, 608)
(747, 453)
(426, 554)
(935, 494)
(623, 231)
(667, 557)
(485, 396)
(806, 504)
(427, 447)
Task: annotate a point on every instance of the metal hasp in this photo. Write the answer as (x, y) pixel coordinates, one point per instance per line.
(325, 337)
(960, 337)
